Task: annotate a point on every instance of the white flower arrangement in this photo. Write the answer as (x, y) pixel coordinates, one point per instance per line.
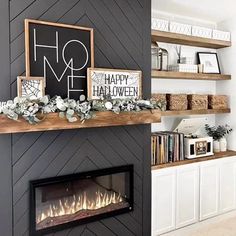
(33, 110)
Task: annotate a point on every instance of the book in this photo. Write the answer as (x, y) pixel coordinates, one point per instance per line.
(167, 147)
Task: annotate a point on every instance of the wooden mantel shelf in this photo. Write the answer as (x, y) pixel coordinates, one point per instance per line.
(102, 119)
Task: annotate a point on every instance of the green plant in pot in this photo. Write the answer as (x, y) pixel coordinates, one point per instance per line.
(219, 133)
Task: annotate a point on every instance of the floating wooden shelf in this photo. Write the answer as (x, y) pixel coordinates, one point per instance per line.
(167, 37)
(197, 112)
(190, 161)
(188, 76)
(102, 119)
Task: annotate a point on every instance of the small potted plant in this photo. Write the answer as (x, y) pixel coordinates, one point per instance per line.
(219, 133)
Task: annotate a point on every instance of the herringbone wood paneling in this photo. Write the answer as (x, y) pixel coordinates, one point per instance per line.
(122, 29)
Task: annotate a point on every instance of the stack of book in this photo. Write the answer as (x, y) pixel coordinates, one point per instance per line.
(167, 147)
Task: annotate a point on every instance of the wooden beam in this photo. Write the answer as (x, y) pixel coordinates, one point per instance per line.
(195, 112)
(168, 37)
(188, 76)
(102, 119)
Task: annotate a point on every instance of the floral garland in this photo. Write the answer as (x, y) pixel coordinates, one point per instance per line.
(33, 110)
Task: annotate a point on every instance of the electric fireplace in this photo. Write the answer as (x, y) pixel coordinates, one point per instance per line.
(66, 201)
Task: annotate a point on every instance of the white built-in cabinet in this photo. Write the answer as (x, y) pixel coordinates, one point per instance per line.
(217, 187)
(209, 189)
(227, 175)
(184, 195)
(187, 195)
(163, 201)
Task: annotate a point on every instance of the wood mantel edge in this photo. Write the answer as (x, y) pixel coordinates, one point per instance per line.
(52, 121)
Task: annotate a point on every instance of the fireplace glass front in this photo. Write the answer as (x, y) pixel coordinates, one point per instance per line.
(66, 201)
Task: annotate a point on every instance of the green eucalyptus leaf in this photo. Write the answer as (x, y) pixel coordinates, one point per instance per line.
(45, 100)
(62, 115)
(36, 119)
(72, 119)
(70, 112)
(29, 108)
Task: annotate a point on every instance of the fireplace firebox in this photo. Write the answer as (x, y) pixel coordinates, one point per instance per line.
(66, 201)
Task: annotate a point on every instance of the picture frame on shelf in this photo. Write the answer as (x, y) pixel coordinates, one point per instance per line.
(28, 86)
(210, 62)
(115, 83)
(61, 53)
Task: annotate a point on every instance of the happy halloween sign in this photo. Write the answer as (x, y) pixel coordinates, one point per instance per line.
(114, 83)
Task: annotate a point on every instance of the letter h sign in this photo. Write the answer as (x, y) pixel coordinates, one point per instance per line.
(61, 54)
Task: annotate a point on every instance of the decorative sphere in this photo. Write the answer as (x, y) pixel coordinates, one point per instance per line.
(108, 105)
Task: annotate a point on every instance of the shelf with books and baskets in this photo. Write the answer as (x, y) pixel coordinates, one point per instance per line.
(228, 153)
(167, 147)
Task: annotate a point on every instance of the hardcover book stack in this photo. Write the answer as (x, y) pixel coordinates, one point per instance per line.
(167, 147)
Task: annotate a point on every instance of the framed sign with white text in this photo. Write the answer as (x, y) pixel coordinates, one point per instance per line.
(61, 54)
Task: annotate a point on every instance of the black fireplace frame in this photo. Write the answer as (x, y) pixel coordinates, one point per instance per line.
(83, 175)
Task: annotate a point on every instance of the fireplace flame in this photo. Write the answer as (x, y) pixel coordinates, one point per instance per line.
(76, 203)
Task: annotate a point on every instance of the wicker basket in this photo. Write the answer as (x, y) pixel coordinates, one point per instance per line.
(160, 98)
(198, 102)
(177, 102)
(218, 101)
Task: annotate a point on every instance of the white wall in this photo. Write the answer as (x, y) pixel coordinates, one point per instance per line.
(228, 62)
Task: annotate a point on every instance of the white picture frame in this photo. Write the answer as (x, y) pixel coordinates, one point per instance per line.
(115, 83)
(31, 87)
(210, 62)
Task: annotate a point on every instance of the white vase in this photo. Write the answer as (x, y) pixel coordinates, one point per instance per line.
(223, 145)
(216, 146)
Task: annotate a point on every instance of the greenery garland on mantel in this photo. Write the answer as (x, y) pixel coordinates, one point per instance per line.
(33, 110)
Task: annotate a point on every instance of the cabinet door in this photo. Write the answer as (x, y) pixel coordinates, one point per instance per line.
(163, 201)
(209, 189)
(227, 184)
(187, 198)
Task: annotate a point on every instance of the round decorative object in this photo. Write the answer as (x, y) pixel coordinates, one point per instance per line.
(108, 105)
(82, 98)
(223, 145)
(216, 146)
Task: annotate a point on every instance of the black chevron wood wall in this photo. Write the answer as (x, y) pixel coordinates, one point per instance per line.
(122, 40)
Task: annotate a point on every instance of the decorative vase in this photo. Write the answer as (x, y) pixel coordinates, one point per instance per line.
(216, 146)
(223, 145)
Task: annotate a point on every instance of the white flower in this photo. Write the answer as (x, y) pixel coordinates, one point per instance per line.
(108, 105)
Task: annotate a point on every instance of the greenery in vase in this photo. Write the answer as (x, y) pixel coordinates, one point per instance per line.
(218, 132)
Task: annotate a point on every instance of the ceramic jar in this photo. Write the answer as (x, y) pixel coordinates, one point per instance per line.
(223, 145)
(216, 146)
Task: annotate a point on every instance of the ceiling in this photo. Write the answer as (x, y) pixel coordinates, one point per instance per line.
(209, 10)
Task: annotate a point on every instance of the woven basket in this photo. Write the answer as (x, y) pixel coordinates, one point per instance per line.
(160, 98)
(218, 101)
(177, 102)
(198, 102)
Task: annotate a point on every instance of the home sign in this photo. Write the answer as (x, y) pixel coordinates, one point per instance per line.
(61, 54)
